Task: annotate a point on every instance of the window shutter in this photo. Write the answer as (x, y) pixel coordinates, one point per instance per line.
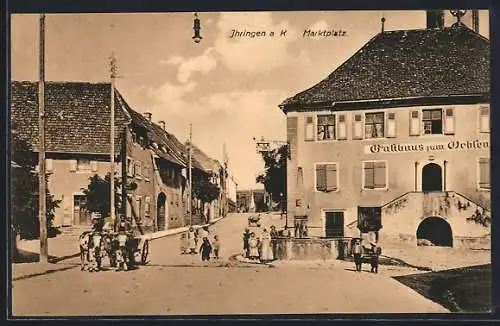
(484, 173)
(93, 166)
(414, 123)
(72, 165)
(369, 172)
(391, 124)
(379, 175)
(449, 122)
(484, 119)
(331, 177)
(358, 127)
(342, 132)
(49, 166)
(309, 132)
(321, 177)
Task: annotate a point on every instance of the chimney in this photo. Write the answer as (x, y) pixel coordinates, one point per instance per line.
(147, 115)
(162, 124)
(435, 19)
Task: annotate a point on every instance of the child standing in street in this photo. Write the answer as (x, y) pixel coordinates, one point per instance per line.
(184, 244)
(216, 246)
(205, 249)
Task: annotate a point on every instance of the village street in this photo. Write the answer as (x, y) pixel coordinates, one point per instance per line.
(174, 284)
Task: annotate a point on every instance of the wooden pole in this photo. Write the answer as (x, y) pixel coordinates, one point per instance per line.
(112, 138)
(190, 175)
(44, 250)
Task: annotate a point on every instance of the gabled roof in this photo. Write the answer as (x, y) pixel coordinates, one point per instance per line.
(77, 116)
(175, 151)
(407, 64)
(203, 162)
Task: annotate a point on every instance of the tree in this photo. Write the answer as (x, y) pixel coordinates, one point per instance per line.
(98, 193)
(205, 190)
(25, 192)
(274, 177)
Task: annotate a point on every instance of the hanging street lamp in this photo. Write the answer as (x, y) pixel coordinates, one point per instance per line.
(197, 28)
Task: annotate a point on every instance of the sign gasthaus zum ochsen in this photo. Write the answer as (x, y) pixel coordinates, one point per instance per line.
(452, 145)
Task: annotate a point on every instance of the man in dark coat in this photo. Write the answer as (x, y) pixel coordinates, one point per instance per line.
(246, 246)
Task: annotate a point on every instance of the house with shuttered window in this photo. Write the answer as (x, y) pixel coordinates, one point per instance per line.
(78, 147)
(394, 144)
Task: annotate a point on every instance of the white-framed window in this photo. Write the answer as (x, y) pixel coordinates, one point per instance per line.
(93, 166)
(342, 127)
(138, 206)
(484, 119)
(484, 173)
(432, 121)
(49, 165)
(309, 128)
(391, 124)
(326, 177)
(138, 169)
(357, 126)
(130, 167)
(326, 127)
(374, 125)
(145, 172)
(375, 175)
(414, 123)
(83, 165)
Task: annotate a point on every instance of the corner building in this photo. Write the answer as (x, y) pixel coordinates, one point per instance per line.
(399, 133)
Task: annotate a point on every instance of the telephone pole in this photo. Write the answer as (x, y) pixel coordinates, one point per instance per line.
(44, 250)
(190, 175)
(113, 70)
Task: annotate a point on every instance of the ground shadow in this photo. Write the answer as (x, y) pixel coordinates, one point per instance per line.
(24, 257)
(459, 290)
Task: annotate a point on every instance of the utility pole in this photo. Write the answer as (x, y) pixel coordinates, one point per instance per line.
(44, 250)
(190, 174)
(112, 139)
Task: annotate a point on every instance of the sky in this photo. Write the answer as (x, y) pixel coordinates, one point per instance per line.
(228, 88)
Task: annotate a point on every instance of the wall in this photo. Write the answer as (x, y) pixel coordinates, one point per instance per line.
(461, 165)
(64, 184)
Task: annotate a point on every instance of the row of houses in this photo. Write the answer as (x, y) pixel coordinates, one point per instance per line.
(395, 143)
(151, 163)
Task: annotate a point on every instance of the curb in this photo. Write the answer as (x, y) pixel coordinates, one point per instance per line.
(162, 234)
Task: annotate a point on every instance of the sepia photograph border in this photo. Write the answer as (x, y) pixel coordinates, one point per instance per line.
(128, 6)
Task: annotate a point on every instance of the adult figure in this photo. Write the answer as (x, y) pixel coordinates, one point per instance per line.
(191, 241)
(265, 247)
(357, 251)
(246, 239)
(274, 240)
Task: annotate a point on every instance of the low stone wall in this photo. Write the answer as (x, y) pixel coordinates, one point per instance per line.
(312, 248)
(472, 242)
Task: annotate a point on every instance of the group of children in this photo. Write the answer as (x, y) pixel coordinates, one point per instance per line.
(198, 241)
(373, 255)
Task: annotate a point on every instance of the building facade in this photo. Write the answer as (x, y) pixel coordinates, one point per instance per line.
(395, 143)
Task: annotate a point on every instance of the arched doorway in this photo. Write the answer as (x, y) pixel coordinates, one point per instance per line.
(434, 231)
(432, 179)
(161, 212)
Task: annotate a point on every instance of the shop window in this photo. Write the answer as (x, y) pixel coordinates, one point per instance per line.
(484, 119)
(391, 124)
(342, 132)
(358, 127)
(326, 127)
(374, 125)
(449, 121)
(484, 173)
(309, 132)
(414, 123)
(375, 175)
(326, 177)
(432, 121)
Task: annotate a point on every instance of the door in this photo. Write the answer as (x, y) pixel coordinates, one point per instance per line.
(81, 216)
(334, 224)
(432, 179)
